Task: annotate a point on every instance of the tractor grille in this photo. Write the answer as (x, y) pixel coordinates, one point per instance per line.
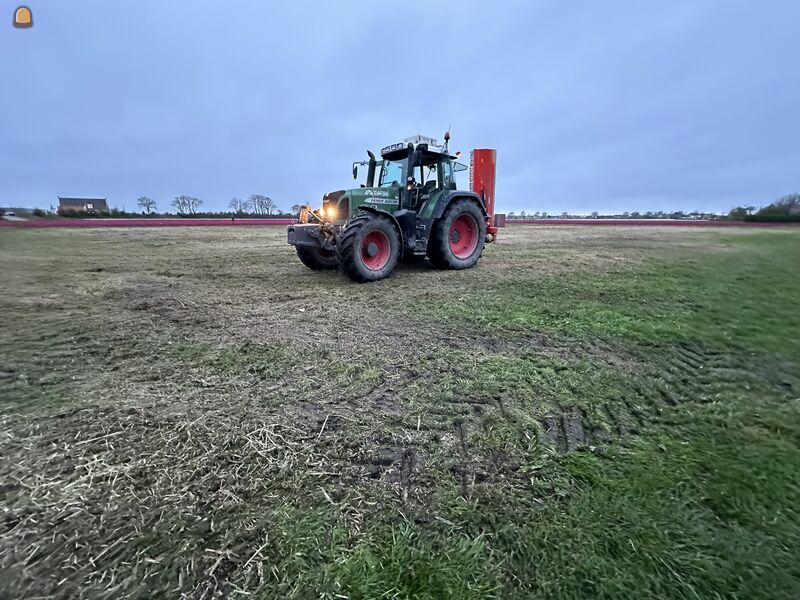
(343, 212)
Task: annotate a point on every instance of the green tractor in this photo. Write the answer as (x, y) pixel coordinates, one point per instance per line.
(408, 208)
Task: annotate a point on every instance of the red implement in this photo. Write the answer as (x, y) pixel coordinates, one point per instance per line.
(481, 181)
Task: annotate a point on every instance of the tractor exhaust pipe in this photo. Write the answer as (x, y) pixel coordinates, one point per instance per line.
(482, 168)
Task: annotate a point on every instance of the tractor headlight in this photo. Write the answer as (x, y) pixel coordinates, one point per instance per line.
(330, 212)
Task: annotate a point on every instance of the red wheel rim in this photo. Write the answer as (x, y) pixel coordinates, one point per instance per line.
(375, 250)
(463, 236)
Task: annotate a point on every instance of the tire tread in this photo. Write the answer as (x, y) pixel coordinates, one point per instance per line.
(439, 247)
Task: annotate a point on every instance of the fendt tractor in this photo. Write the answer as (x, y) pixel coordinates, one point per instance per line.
(413, 210)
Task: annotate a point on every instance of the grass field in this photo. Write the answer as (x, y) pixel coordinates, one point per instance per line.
(589, 413)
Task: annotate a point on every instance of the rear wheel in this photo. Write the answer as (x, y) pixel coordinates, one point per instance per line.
(458, 237)
(368, 248)
(317, 258)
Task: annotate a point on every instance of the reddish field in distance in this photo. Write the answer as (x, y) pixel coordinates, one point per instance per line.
(143, 222)
(237, 222)
(645, 222)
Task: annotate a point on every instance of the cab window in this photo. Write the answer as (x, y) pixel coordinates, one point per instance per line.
(392, 173)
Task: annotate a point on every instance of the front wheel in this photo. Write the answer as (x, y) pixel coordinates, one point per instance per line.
(317, 258)
(458, 237)
(368, 248)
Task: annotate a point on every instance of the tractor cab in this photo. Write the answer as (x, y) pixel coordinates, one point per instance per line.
(424, 170)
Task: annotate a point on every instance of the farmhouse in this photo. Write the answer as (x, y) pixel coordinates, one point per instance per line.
(82, 205)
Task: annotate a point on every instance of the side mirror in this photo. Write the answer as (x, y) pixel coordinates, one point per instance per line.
(355, 171)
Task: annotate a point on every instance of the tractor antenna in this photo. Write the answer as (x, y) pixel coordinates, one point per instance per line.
(447, 139)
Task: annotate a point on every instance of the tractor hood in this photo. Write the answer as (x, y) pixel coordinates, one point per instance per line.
(333, 196)
(376, 196)
(342, 205)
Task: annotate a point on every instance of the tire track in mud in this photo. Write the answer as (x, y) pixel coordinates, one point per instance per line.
(687, 374)
(631, 413)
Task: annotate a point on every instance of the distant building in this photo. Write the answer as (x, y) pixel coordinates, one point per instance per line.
(82, 205)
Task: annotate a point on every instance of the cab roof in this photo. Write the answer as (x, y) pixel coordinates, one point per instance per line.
(428, 154)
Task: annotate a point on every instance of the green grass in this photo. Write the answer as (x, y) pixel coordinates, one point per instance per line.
(725, 296)
(263, 360)
(713, 513)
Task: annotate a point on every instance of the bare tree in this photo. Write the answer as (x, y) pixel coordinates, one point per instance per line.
(296, 209)
(238, 205)
(181, 204)
(256, 204)
(194, 204)
(261, 204)
(148, 205)
(185, 205)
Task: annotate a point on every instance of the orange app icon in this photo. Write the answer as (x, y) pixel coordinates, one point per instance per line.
(23, 17)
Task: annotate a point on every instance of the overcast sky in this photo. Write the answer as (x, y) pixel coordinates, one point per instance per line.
(606, 106)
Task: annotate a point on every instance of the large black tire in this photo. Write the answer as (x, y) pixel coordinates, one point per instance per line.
(458, 238)
(368, 248)
(317, 258)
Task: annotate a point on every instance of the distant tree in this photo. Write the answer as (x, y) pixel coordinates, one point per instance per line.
(238, 205)
(565, 214)
(782, 207)
(180, 204)
(791, 202)
(738, 213)
(147, 205)
(194, 204)
(512, 215)
(262, 205)
(296, 209)
(536, 215)
(544, 214)
(595, 215)
(522, 214)
(185, 205)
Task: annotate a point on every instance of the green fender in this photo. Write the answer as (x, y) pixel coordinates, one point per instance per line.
(434, 208)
